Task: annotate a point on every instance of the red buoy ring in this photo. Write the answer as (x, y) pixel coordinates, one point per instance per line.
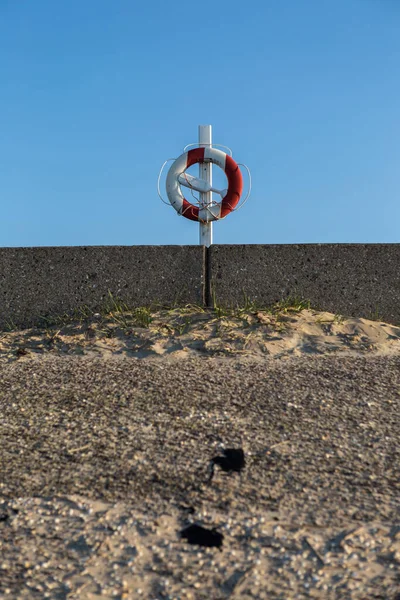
(212, 212)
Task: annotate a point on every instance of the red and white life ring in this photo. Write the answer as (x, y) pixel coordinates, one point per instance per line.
(210, 213)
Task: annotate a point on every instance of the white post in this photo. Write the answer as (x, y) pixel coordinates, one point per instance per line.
(205, 172)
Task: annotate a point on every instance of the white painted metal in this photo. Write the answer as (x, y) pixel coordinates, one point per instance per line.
(205, 172)
(217, 156)
(199, 185)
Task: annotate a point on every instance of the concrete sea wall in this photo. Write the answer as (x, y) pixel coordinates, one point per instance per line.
(48, 282)
(350, 279)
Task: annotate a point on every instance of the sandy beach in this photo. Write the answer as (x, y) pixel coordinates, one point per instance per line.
(194, 332)
(109, 426)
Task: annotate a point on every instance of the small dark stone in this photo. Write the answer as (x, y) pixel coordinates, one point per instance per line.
(4, 517)
(187, 508)
(196, 534)
(21, 352)
(233, 460)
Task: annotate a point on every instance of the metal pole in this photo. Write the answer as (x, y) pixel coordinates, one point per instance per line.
(205, 172)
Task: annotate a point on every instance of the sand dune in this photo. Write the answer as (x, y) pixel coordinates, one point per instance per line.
(195, 332)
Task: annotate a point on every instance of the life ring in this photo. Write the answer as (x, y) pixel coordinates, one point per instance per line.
(215, 211)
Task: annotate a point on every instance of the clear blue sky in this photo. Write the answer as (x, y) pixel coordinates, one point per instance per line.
(96, 94)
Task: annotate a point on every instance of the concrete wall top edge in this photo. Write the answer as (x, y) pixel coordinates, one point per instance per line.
(214, 246)
(307, 244)
(100, 246)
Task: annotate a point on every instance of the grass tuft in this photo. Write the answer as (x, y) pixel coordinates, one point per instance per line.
(123, 315)
(375, 315)
(119, 314)
(291, 304)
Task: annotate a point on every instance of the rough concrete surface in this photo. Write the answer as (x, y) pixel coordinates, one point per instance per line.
(353, 279)
(360, 280)
(48, 282)
(104, 461)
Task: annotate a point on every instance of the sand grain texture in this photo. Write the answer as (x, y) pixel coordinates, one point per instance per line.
(105, 458)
